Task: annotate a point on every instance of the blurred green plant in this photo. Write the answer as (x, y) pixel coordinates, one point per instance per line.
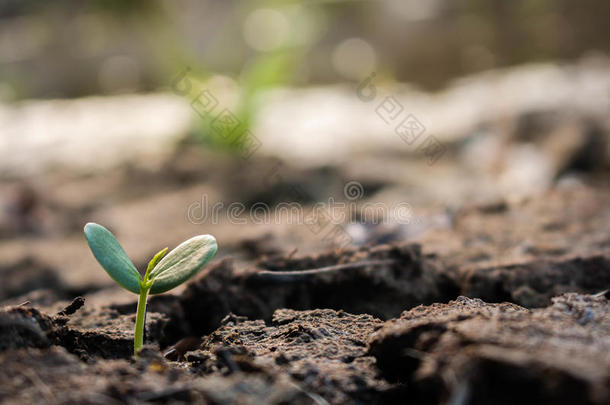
(162, 273)
(263, 71)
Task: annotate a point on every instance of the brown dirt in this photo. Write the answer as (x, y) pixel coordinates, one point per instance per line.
(471, 352)
(466, 351)
(372, 328)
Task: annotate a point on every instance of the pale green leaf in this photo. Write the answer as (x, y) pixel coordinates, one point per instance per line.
(112, 257)
(156, 258)
(182, 263)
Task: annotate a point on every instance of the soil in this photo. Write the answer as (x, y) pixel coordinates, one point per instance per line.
(495, 302)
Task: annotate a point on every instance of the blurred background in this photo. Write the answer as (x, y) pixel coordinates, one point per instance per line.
(143, 115)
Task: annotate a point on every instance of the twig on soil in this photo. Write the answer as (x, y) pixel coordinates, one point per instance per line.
(74, 306)
(295, 274)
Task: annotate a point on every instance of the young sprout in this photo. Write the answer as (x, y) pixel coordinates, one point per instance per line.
(162, 274)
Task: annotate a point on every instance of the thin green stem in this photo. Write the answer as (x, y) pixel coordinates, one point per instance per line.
(145, 286)
(138, 339)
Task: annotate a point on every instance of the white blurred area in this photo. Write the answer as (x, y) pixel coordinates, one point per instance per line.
(88, 134)
(323, 125)
(330, 124)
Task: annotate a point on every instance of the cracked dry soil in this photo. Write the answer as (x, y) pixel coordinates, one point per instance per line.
(434, 322)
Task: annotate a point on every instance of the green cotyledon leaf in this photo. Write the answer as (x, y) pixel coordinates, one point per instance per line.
(182, 263)
(112, 257)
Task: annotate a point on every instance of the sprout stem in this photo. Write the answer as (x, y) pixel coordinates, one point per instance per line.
(145, 286)
(138, 339)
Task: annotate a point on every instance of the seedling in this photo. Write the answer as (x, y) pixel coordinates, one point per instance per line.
(162, 274)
